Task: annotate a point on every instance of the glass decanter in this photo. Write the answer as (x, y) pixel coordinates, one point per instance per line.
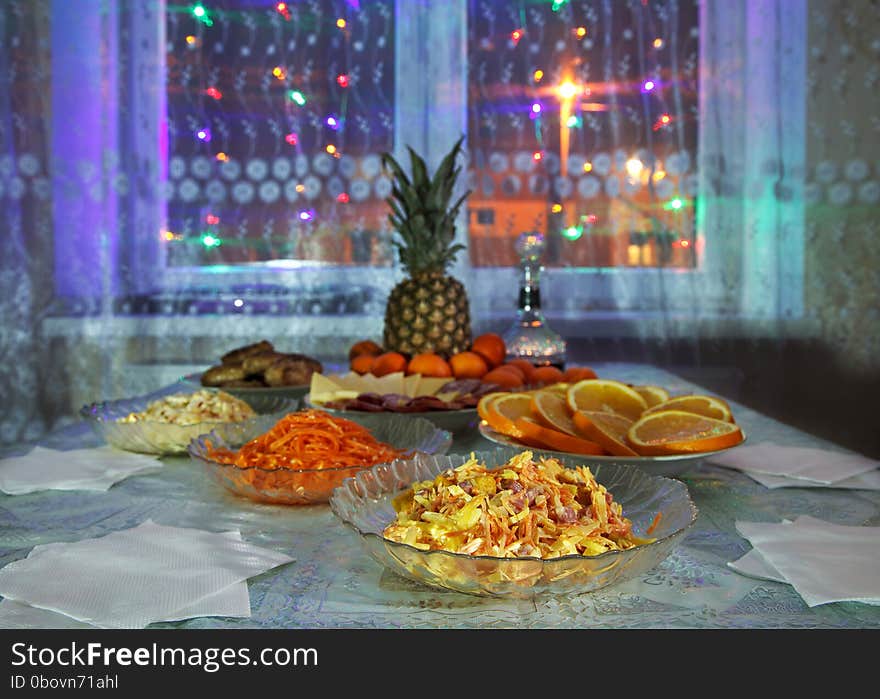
(530, 337)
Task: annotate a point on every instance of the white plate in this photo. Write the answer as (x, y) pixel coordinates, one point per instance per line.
(673, 465)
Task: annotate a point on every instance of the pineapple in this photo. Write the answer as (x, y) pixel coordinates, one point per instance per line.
(429, 310)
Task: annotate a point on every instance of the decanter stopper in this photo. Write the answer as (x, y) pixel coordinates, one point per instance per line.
(530, 337)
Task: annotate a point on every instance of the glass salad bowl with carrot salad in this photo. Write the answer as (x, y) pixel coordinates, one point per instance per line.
(308, 453)
(513, 523)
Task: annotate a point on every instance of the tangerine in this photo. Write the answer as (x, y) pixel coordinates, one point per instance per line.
(429, 364)
(524, 365)
(579, 373)
(388, 363)
(364, 347)
(468, 365)
(506, 378)
(491, 346)
(362, 363)
(548, 375)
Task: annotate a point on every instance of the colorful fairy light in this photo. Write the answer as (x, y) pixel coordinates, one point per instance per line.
(588, 166)
(214, 93)
(341, 23)
(204, 135)
(297, 97)
(332, 122)
(279, 72)
(292, 139)
(212, 220)
(648, 85)
(222, 157)
(675, 204)
(191, 41)
(201, 14)
(591, 219)
(536, 108)
(342, 80)
(556, 208)
(169, 235)
(658, 43)
(573, 122)
(331, 149)
(342, 198)
(557, 5)
(210, 241)
(300, 188)
(537, 155)
(537, 75)
(581, 32)
(282, 9)
(516, 35)
(307, 215)
(572, 232)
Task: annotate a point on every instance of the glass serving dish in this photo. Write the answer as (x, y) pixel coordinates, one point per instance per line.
(263, 399)
(364, 503)
(165, 438)
(286, 486)
(455, 421)
(672, 465)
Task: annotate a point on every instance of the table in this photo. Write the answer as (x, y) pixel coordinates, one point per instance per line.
(334, 584)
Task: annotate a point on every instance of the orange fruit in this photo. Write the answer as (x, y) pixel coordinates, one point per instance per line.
(506, 378)
(679, 432)
(514, 369)
(554, 439)
(505, 409)
(468, 365)
(429, 364)
(558, 388)
(492, 347)
(483, 404)
(578, 373)
(699, 404)
(551, 410)
(364, 347)
(388, 363)
(653, 395)
(524, 365)
(604, 395)
(547, 375)
(362, 363)
(608, 430)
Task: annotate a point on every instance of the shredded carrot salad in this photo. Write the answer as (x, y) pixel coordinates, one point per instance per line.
(309, 439)
(528, 507)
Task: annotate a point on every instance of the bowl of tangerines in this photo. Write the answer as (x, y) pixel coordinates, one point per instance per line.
(445, 389)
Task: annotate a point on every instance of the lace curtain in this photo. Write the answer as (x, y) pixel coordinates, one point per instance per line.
(111, 201)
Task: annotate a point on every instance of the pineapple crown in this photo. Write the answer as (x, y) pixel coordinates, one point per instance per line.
(421, 212)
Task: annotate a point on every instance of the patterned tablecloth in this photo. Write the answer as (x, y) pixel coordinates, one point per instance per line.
(335, 584)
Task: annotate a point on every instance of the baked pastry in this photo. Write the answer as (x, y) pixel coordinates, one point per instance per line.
(292, 370)
(238, 355)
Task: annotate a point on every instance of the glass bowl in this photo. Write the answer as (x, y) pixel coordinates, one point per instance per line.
(165, 438)
(285, 486)
(671, 465)
(364, 503)
(455, 421)
(263, 399)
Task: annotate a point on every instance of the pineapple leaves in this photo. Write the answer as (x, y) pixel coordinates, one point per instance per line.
(421, 212)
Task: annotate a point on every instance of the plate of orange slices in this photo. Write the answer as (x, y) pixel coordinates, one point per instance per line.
(612, 421)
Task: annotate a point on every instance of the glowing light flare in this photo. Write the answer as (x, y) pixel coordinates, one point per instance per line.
(279, 72)
(343, 198)
(343, 80)
(634, 167)
(169, 235)
(536, 109)
(331, 149)
(332, 122)
(300, 188)
(567, 90)
(658, 43)
(572, 233)
(222, 157)
(538, 75)
(648, 85)
(296, 97)
(591, 219)
(581, 32)
(210, 241)
(214, 93)
(204, 135)
(306, 215)
(588, 166)
(662, 120)
(212, 220)
(573, 122)
(238, 303)
(557, 5)
(282, 9)
(292, 139)
(516, 35)
(537, 156)
(341, 23)
(556, 208)
(675, 204)
(685, 243)
(201, 14)
(192, 41)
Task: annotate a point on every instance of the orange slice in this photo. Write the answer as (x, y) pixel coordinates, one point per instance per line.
(551, 410)
(606, 396)
(680, 432)
(505, 409)
(653, 395)
(709, 406)
(608, 430)
(554, 439)
(483, 405)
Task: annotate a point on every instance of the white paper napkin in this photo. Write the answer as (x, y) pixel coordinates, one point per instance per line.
(824, 562)
(777, 466)
(77, 469)
(138, 576)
